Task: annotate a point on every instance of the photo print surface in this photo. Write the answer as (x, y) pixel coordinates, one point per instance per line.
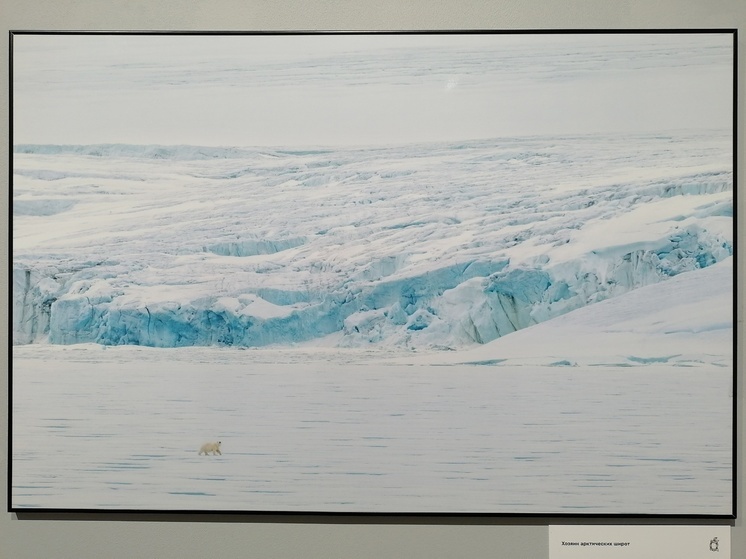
(448, 273)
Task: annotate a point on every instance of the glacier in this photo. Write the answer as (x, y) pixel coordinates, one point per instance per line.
(428, 245)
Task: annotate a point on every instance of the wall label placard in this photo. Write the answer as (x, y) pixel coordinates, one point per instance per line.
(639, 542)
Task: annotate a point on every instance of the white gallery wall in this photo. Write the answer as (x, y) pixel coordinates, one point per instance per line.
(312, 537)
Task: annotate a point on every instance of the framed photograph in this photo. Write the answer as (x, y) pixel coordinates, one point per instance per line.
(422, 273)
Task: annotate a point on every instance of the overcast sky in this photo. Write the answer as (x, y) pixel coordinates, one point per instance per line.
(363, 89)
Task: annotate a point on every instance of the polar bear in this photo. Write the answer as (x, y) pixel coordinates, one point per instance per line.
(207, 448)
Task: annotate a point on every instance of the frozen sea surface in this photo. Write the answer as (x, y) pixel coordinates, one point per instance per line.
(123, 431)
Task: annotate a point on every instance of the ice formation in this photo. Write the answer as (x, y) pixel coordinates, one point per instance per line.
(425, 245)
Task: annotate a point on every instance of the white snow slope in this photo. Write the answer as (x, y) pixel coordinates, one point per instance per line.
(426, 245)
(677, 323)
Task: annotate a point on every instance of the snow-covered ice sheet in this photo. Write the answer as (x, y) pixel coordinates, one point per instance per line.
(424, 245)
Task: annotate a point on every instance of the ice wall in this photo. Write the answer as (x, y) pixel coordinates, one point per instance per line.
(458, 304)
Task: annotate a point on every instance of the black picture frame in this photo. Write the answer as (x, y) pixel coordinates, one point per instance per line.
(366, 119)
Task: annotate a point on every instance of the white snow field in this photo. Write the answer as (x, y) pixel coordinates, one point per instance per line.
(445, 274)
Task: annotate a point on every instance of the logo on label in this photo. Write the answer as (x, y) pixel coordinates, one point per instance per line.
(714, 544)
